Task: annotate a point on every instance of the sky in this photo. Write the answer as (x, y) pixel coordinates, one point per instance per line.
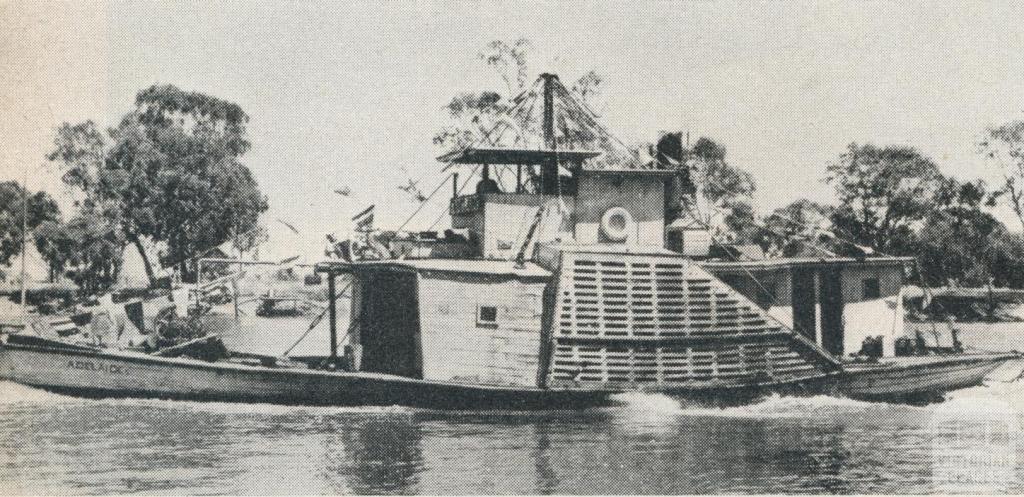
(350, 93)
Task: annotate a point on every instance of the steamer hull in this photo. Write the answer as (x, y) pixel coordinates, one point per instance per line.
(909, 377)
(902, 380)
(123, 374)
(91, 373)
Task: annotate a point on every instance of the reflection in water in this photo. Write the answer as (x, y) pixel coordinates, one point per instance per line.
(56, 444)
(649, 444)
(379, 455)
(547, 478)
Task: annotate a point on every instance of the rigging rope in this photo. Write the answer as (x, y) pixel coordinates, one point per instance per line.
(592, 117)
(749, 273)
(469, 178)
(424, 202)
(317, 319)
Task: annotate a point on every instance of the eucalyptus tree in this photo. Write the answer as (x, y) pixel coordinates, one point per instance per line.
(18, 209)
(883, 192)
(1004, 146)
(170, 172)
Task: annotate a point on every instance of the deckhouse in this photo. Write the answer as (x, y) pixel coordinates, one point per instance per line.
(570, 265)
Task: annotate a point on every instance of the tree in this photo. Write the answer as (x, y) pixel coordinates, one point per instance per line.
(171, 173)
(81, 149)
(799, 226)
(741, 222)
(38, 207)
(471, 116)
(509, 60)
(88, 248)
(487, 116)
(882, 192)
(724, 188)
(588, 87)
(958, 247)
(1004, 146)
(722, 183)
(960, 242)
(474, 114)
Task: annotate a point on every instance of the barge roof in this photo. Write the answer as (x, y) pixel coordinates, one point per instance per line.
(465, 266)
(791, 262)
(483, 155)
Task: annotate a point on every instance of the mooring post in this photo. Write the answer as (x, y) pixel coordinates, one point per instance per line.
(332, 312)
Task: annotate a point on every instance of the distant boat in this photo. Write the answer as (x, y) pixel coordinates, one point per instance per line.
(271, 306)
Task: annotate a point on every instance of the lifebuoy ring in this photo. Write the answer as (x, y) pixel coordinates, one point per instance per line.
(616, 223)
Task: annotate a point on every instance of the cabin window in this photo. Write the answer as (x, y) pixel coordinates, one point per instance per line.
(487, 316)
(872, 290)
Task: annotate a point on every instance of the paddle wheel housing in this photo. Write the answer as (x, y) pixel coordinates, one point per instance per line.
(657, 321)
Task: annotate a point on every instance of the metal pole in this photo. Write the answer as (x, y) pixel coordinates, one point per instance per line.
(24, 242)
(332, 319)
(234, 291)
(549, 169)
(549, 110)
(455, 185)
(197, 291)
(234, 281)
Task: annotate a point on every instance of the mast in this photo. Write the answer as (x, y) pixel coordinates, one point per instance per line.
(549, 169)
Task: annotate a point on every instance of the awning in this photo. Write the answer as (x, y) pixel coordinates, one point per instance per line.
(515, 156)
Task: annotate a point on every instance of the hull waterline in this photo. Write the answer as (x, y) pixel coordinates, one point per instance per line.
(919, 378)
(92, 373)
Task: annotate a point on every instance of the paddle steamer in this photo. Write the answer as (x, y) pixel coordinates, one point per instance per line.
(587, 275)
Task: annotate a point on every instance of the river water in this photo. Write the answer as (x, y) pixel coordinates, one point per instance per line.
(972, 442)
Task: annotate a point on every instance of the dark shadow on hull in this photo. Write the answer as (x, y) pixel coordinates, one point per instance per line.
(455, 403)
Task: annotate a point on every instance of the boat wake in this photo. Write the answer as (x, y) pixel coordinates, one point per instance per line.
(995, 396)
(774, 406)
(12, 393)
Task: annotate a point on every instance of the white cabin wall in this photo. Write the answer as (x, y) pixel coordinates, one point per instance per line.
(456, 348)
(507, 219)
(782, 308)
(861, 317)
(643, 197)
(872, 317)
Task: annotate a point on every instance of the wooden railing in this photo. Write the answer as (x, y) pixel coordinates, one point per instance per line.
(466, 205)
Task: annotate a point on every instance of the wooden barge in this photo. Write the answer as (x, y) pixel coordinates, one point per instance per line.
(588, 280)
(98, 373)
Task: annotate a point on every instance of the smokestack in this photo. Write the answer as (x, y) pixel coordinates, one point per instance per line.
(671, 154)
